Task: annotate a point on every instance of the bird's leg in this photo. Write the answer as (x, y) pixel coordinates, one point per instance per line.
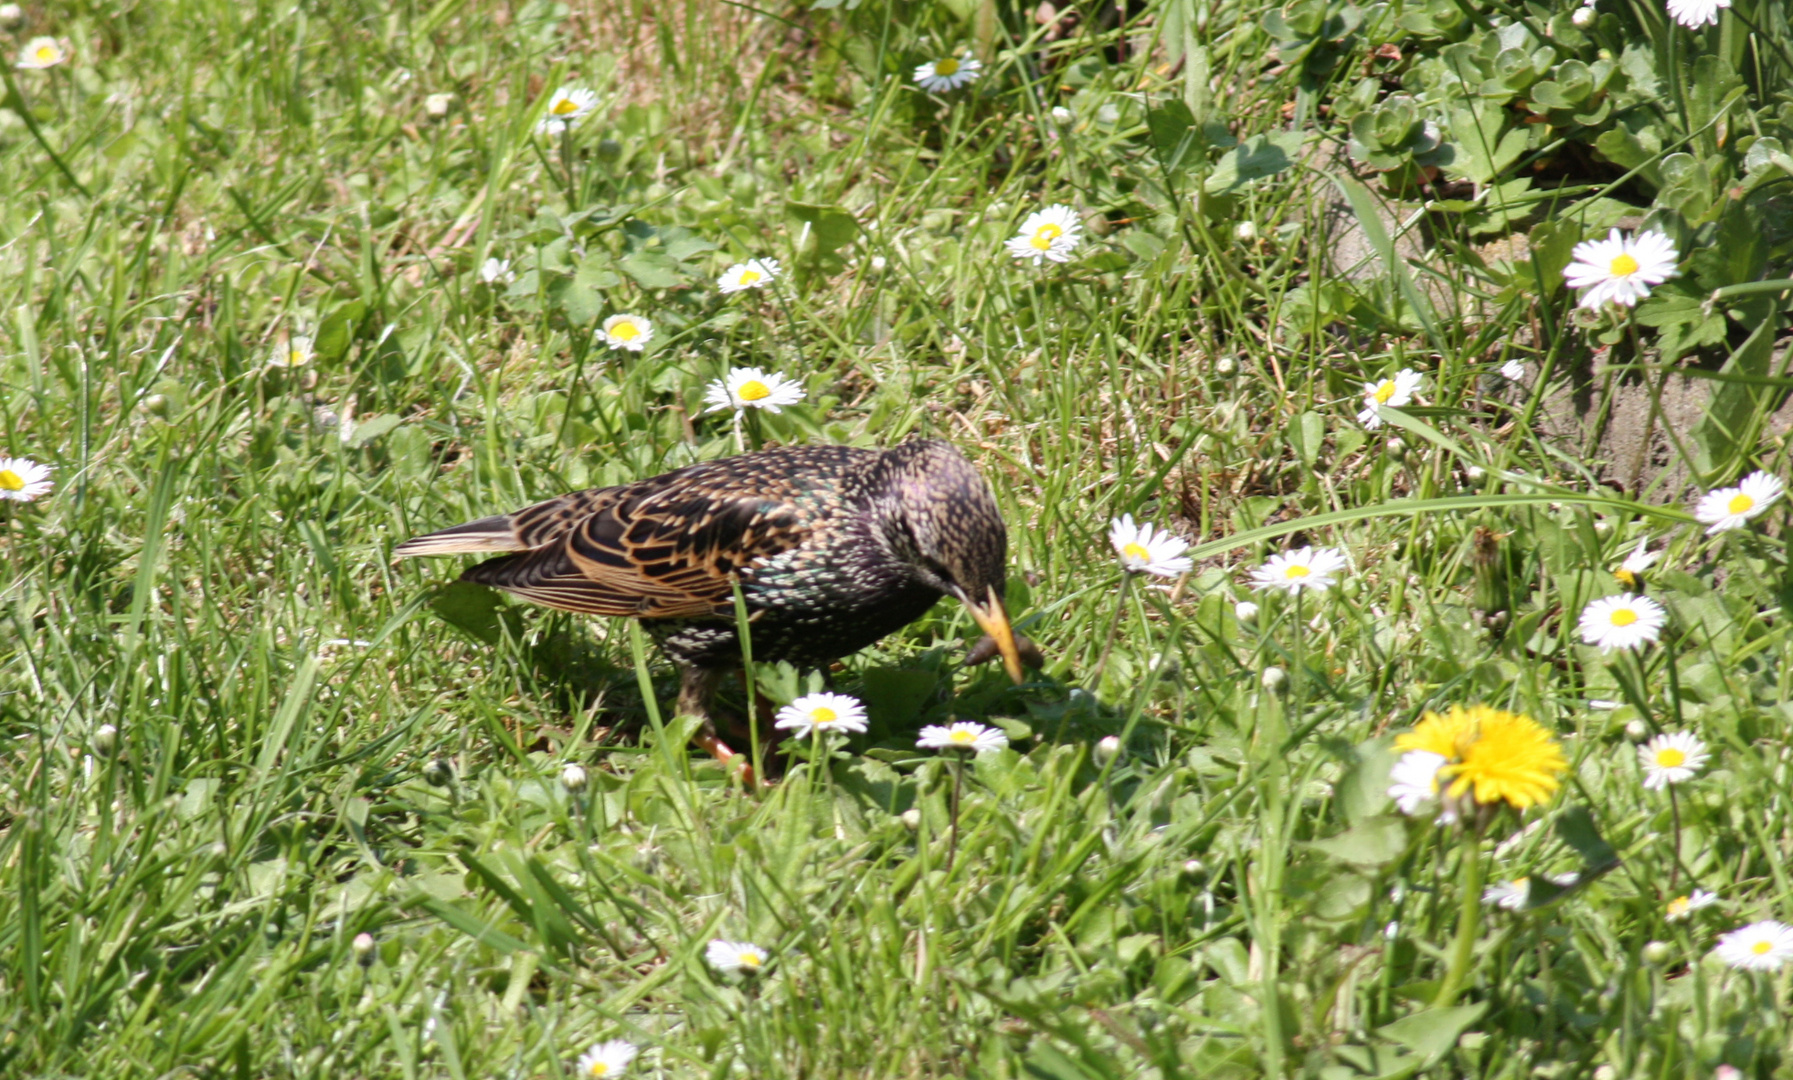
(697, 697)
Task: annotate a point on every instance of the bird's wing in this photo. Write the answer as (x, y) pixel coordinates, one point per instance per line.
(662, 548)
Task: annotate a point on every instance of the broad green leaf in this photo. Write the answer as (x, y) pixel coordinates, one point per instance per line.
(1433, 1032)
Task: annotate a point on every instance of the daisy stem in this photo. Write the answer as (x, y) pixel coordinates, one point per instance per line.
(1120, 609)
(1674, 817)
(1469, 920)
(952, 843)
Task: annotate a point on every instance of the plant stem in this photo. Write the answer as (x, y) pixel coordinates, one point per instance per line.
(1674, 813)
(1120, 608)
(1469, 921)
(952, 843)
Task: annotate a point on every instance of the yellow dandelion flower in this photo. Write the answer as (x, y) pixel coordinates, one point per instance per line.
(1508, 758)
(1443, 735)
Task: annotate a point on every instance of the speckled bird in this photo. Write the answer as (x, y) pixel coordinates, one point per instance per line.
(834, 547)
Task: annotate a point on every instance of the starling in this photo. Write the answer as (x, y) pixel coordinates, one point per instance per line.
(834, 547)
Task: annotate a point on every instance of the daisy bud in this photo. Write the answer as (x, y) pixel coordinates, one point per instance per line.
(1226, 367)
(105, 740)
(438, 104)
(1727, 1072)
(573, 778)
(1108, 749)
(1246, 611)
(1658, 953)
(1062, 115)
(364, 948)
(438, 772)
(1274, 679)
(1396, 449)
(11, 15)
(1195, 869)
(1583, 17)
(1606, 1072)
(156, 405)
(1245, 232)
(1636, 730)
(911, 819)
(1474, 473)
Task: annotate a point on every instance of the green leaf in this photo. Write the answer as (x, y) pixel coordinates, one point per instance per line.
(1254, 159)
(830, 227)
(1726, 431)
(651, 270)
(895, 696)
(472, 609)
(1433, 1032)
(1175, 135)
(338, 330)
(1362, 792)
(369, 428)
(1576, 827)
(1375, 842)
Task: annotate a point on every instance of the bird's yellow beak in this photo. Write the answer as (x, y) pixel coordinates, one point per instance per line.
(993, 619)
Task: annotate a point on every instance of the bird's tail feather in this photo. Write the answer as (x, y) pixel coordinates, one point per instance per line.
(486, 535)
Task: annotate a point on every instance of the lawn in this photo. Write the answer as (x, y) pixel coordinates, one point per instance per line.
(1442, 344)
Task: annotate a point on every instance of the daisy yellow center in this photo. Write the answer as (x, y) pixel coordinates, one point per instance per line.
(949, 66)
(1385, 391)
(1136, 551)
(46, 53)
(753, 959)
(1624, 617)
(598, 1068)
(1670, 758)
(1679, 904)
(561, 108)
(1740, 504)
(296, 356)
(754, 390)
(822, 714)
(1044, 235)
(628, 331)
(748, 277)
(11, 481)
(1624, 266)
(1762, 948)
(1296, 571)
(963, 736)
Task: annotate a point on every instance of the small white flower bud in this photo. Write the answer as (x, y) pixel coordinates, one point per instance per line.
(1583, 17)
(1062, 115)
(1195, 868)
(1606, 1072)
(1658, 953)
(11, 15)
(573, 778)
(911, 819)
(1474, 473)
(1226, 367)
(105, 740)
(1245, 232)
(438, 104)
(1274, 679)
(364, 948)
(1246, 611)
(1636, 730)
(1108, 749)
(156, 405)
(438, 772)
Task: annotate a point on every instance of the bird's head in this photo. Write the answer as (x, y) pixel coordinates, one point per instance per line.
(952, 535)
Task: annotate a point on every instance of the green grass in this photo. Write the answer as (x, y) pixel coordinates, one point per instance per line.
(312, 742)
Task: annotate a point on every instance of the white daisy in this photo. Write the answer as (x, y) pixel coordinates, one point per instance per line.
(1303, 568)
(1760, 946)
(23, 480)
(1631, 571)
(295, 353)
(1626, 621)
(1508, 894)
(821, 712)
(730, 957)
(1512, 370)
(1728, 508)
(1144, 550)
(41, 52)
(1670, 759)
(1393, 392)
(961, 735)
(631, 332)
(947, 73)
(1620, 270)
(1694, 14)
(752, 274)
(495, 270)
(1052, 233)
(567, 107)
(751, 388)
(1683, 906)
(606, 1060)
(1413, 782)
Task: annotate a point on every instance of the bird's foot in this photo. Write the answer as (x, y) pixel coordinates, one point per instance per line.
(732, 760)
